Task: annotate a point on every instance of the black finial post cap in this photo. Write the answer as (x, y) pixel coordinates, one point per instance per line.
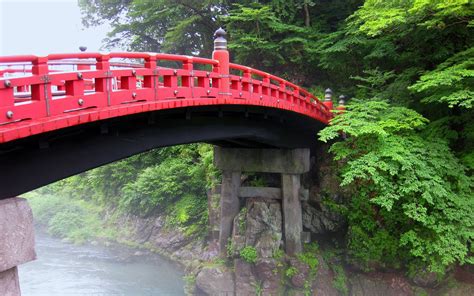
(220, 33)
(342, 99)
(220, 43)
(328, 94)
(82, 48)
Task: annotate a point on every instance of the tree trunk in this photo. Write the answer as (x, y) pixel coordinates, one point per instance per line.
(307, 19)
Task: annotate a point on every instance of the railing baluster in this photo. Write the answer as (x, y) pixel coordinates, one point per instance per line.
(42, 91)
(104, 84)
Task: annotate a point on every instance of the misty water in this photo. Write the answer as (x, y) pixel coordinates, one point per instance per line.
(64, 269)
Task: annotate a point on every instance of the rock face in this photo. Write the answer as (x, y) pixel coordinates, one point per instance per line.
(245, 282)
(322, 220)
(323, 281)
(426, 279)
(173, 244)
(323, 183)
(258, 225)
(302, 272)
(269, 276)
(263, 226)
(376, 285)
(215, 281)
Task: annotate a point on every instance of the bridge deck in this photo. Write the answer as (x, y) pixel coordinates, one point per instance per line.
(43, 94)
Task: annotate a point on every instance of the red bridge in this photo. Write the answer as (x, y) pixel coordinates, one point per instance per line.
(66, 113)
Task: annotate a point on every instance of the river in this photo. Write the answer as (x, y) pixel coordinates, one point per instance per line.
(64, 269)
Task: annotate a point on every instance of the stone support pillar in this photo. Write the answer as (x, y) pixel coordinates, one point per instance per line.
(229, 205)
(17, 242)
(291, 163)
(292, 218)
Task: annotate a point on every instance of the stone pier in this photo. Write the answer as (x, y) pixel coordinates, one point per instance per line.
(290, 163)
(17, 241)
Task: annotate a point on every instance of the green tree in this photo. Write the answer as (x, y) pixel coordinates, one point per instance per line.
(180, 27)
(412, 199)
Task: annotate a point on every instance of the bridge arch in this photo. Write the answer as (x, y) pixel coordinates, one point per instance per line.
(66, 113)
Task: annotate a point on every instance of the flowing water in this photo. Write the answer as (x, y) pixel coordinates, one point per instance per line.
(64, 269)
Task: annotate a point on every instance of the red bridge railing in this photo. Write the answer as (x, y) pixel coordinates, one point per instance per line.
(40, 94)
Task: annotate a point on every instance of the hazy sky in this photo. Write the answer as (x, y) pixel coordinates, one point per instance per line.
(45, 26)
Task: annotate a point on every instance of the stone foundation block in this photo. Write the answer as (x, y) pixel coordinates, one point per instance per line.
(17, 238)
(9, 284)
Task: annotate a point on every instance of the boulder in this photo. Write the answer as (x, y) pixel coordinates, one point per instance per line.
(216, 280)
(263, 226)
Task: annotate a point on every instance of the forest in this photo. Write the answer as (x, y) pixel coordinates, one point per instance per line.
(407, 158)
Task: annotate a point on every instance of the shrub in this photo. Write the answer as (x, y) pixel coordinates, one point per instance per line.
(291, 271)
(249, 254)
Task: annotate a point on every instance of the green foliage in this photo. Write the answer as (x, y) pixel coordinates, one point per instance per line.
(249, 254)
(170, 181)
(412, 199)
(291, 271)
(242, 220)
(310, 259)
(278, 254)
(258, 288)
(183, 27)
(451, 82)
(73, 219)
(189, 213)
(340, 280)
(230, 248)
(376, 17)
(179, 173)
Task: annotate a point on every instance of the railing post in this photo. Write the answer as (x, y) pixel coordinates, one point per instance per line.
(81, 67)
(104, 84)
(188, 80)
(221, 54)
(41, 92)
(328, 99)
(342, 104)
(149, 81)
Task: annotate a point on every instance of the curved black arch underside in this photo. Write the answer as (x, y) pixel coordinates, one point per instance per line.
(36, 161)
